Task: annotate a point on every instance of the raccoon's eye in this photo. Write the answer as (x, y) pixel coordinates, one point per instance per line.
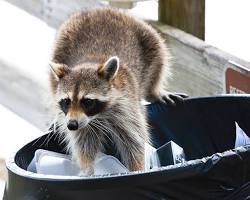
(64, 104)
(92, 106)
(88, 103)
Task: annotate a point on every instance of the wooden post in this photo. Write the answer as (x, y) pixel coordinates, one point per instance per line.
(187, 15)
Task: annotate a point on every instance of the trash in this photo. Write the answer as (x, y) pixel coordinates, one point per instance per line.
(53, 163)
(241, 137)
(170, 154)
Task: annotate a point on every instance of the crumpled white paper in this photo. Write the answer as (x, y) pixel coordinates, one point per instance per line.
(241, 137)
(52, 163)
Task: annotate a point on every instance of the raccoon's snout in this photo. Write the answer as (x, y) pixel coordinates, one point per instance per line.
(72, 125)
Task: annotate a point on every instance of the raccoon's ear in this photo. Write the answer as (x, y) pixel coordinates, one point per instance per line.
(58, 70)
(109, 69)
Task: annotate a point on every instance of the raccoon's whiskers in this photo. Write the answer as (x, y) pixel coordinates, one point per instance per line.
(48, 137)
(37, 140)
(111, 131)
(101, 128)
(93, 132)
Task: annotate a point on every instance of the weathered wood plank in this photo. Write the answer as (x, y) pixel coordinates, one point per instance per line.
(187, 15)
(198, 68)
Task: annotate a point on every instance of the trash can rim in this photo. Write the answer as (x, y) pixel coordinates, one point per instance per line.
(14, 168)
(196, 163)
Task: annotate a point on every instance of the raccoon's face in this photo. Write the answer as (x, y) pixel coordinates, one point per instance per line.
(85, 91)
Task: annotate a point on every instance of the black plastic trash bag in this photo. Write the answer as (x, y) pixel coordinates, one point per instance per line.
(204, 127)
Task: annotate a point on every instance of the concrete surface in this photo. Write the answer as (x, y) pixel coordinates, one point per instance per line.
(15, 132)
(2, 185)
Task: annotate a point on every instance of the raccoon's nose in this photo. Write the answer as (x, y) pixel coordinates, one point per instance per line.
(72, 125)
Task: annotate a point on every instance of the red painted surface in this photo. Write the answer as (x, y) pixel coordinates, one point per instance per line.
(237, 81)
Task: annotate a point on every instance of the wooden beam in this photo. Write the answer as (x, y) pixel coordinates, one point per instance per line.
(198, 69)
(187, 15)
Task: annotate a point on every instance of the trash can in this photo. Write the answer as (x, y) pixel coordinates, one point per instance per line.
(203, 127)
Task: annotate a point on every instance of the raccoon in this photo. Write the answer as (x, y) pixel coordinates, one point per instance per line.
(104, 63)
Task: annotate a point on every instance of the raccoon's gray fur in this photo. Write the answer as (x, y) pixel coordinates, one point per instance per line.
(111, 60)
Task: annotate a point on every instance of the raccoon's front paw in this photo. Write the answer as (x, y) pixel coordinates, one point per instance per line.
(135, 164)
(173, 98)
(86, 166)
(168, 98)
(87, 171)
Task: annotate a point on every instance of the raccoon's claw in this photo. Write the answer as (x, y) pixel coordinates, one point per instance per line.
(183, 95)
(173, 98)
